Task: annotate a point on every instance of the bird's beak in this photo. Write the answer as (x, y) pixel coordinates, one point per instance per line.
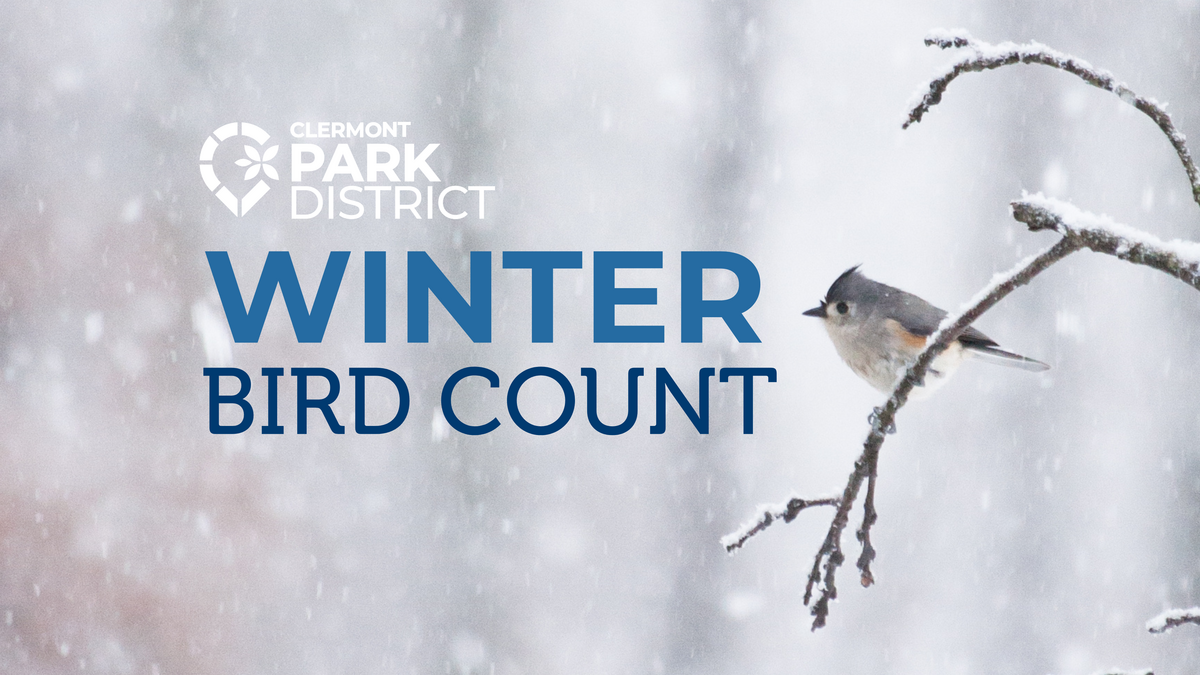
(818, 311)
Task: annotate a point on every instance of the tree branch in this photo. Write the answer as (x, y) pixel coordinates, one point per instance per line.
(1173, 618)
(983, 56)
(786, 512)
(830, 557)
(1079, 229)
(866, 578)
(1180, 259)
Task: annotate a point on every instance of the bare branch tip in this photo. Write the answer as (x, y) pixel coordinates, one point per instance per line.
(1035, 217)
(770, 514)
(866, 578)
(1173, 618)
(1078, 229)
(949, 39)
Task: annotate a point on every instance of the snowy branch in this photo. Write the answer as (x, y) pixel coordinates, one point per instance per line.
(1078, 229)
(771, 513)
(1173, 618)
(1180, 259)
(830, 557)
(983, 56)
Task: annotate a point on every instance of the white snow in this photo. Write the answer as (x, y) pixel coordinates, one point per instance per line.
(997, 279)
(948, 35)
(1078, 219)
(93, 327)
(214, 336)
(767, 514)
(979, 50)
(1159, 624)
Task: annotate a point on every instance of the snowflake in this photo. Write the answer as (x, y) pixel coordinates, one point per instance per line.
(255, 162)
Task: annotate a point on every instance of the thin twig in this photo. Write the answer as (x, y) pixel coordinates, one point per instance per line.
(984, 56)
(1079, 230)
(1173, 618)
(830, 557)
(786, 512)
(864, 534)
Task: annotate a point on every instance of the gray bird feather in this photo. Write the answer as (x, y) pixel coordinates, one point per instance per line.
(918, 316)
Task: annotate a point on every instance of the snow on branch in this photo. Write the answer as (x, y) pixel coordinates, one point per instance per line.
(1173, 618)
(982, 56)
(830, 556)
(1180, 259)
(1078, 229)
(770, 513)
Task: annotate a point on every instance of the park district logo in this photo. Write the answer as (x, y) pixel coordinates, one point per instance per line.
(337, 171)
(254, 160)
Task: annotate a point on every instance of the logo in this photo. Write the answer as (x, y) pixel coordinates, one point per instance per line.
(255, 162)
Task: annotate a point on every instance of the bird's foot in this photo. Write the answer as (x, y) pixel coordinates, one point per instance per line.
(873, 419)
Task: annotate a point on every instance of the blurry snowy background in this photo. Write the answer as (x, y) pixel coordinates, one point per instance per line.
(1028, 524)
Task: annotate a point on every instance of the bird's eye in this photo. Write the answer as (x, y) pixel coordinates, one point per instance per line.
(842, 308)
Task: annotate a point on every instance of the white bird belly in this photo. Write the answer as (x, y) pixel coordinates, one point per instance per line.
(882, 359)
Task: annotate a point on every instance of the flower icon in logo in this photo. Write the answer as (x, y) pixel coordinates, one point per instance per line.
(255, 162)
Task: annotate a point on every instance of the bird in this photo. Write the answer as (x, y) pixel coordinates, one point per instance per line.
(879, 331)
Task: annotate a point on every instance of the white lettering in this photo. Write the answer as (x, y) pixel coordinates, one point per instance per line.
(375, 167)
(348, 200)
(349, 129)
(411, 207)
(442, 202)
(412, 164)
(299, 166)
(481, 189)
(377, 189)
(296, 189)
(341, 163)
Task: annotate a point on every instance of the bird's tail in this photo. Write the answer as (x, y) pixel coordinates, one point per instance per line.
(1000, 357)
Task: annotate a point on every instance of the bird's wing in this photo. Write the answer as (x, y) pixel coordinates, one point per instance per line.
(922, 318)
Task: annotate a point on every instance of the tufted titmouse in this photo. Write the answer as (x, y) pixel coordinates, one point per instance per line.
(879, 331)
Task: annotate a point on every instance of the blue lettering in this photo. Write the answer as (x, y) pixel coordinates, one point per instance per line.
(694, 307)
(424, 277)
(278, 271)
(606, 296)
